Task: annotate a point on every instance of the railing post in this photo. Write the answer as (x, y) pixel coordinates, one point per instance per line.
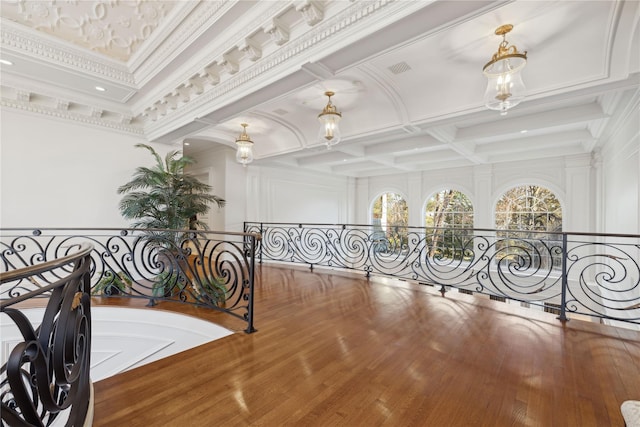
(563, 310)
(261, 241)
(252, 274)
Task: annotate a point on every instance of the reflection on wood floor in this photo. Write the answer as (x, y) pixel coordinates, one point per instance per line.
(334, 349)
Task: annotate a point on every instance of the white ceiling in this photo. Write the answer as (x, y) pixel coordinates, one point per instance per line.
(407, 76)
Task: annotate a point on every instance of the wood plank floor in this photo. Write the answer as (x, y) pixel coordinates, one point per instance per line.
(333, 349)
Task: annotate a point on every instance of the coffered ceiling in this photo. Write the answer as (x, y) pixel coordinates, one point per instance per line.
(407, 76)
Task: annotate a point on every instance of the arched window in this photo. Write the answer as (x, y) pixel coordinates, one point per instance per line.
(389, 217)
(525, 213)
(446, 211)
(530, 208)
(449, 208)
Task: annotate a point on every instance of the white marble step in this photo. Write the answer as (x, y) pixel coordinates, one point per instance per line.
(125, 338)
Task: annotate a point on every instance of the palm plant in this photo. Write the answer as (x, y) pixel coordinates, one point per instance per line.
(165, 197)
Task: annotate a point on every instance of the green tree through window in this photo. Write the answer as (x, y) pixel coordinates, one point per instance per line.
(529, 207)
(531, 210)
(446, 211)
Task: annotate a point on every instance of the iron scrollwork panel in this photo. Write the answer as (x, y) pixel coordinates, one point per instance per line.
(47, 374)
(202, 268)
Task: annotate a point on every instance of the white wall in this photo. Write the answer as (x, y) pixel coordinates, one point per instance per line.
(63, 174)
(266, 194)
(48, 165)
(213, 163)
(620, 175)
(281, 195)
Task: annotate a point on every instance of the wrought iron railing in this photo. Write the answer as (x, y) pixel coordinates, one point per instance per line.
(45, 377)
(590, 274)
(204, 268)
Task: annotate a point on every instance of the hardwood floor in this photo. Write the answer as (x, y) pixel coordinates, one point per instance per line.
(333, 349)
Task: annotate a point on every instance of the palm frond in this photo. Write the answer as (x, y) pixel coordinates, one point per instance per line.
(164, 196)
(153, 152)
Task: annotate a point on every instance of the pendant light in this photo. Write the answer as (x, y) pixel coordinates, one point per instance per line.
(329, 133)
(505, 88)
(244, 155)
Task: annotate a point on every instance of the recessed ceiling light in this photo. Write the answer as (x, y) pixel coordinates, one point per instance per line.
(100, 89)
(187, 143)
(524, 131)
(5, 62)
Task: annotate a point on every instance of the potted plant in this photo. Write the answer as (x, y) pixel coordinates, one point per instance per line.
(112, 284)
(165, 196)
(214, 291)
(167, 283)
(166, 201)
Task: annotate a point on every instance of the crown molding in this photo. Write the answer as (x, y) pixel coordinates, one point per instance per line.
(14, 82)
(205, 63)
(28, 42)
(193, 19)
(288, 58)
(94, 118)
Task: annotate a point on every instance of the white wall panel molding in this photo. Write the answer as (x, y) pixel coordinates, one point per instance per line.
(550, 171)
(577, 208)
(619, 202)
(414, 190)
(362, 201)
(352, 193)
(292, 196)
(483, 183)
(624, 129)
(461, 178)
(396, 183)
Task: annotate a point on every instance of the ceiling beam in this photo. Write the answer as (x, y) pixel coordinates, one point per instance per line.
(535, 142)
(429, 157)
(546, 119)
(407, 144)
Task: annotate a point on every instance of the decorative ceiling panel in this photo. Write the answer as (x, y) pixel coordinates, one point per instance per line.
(115, 28)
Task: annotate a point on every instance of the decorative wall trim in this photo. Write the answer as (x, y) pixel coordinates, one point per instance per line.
(95, 117)
(206, 66)
(335, 26)
(196, 21)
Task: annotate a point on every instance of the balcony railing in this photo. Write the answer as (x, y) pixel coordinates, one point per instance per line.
(595, 275)
(45, 377)
(204, 268)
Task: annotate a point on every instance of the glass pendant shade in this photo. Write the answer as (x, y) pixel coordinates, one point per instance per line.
(329, 133)
(244, 154)
(505, 88)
